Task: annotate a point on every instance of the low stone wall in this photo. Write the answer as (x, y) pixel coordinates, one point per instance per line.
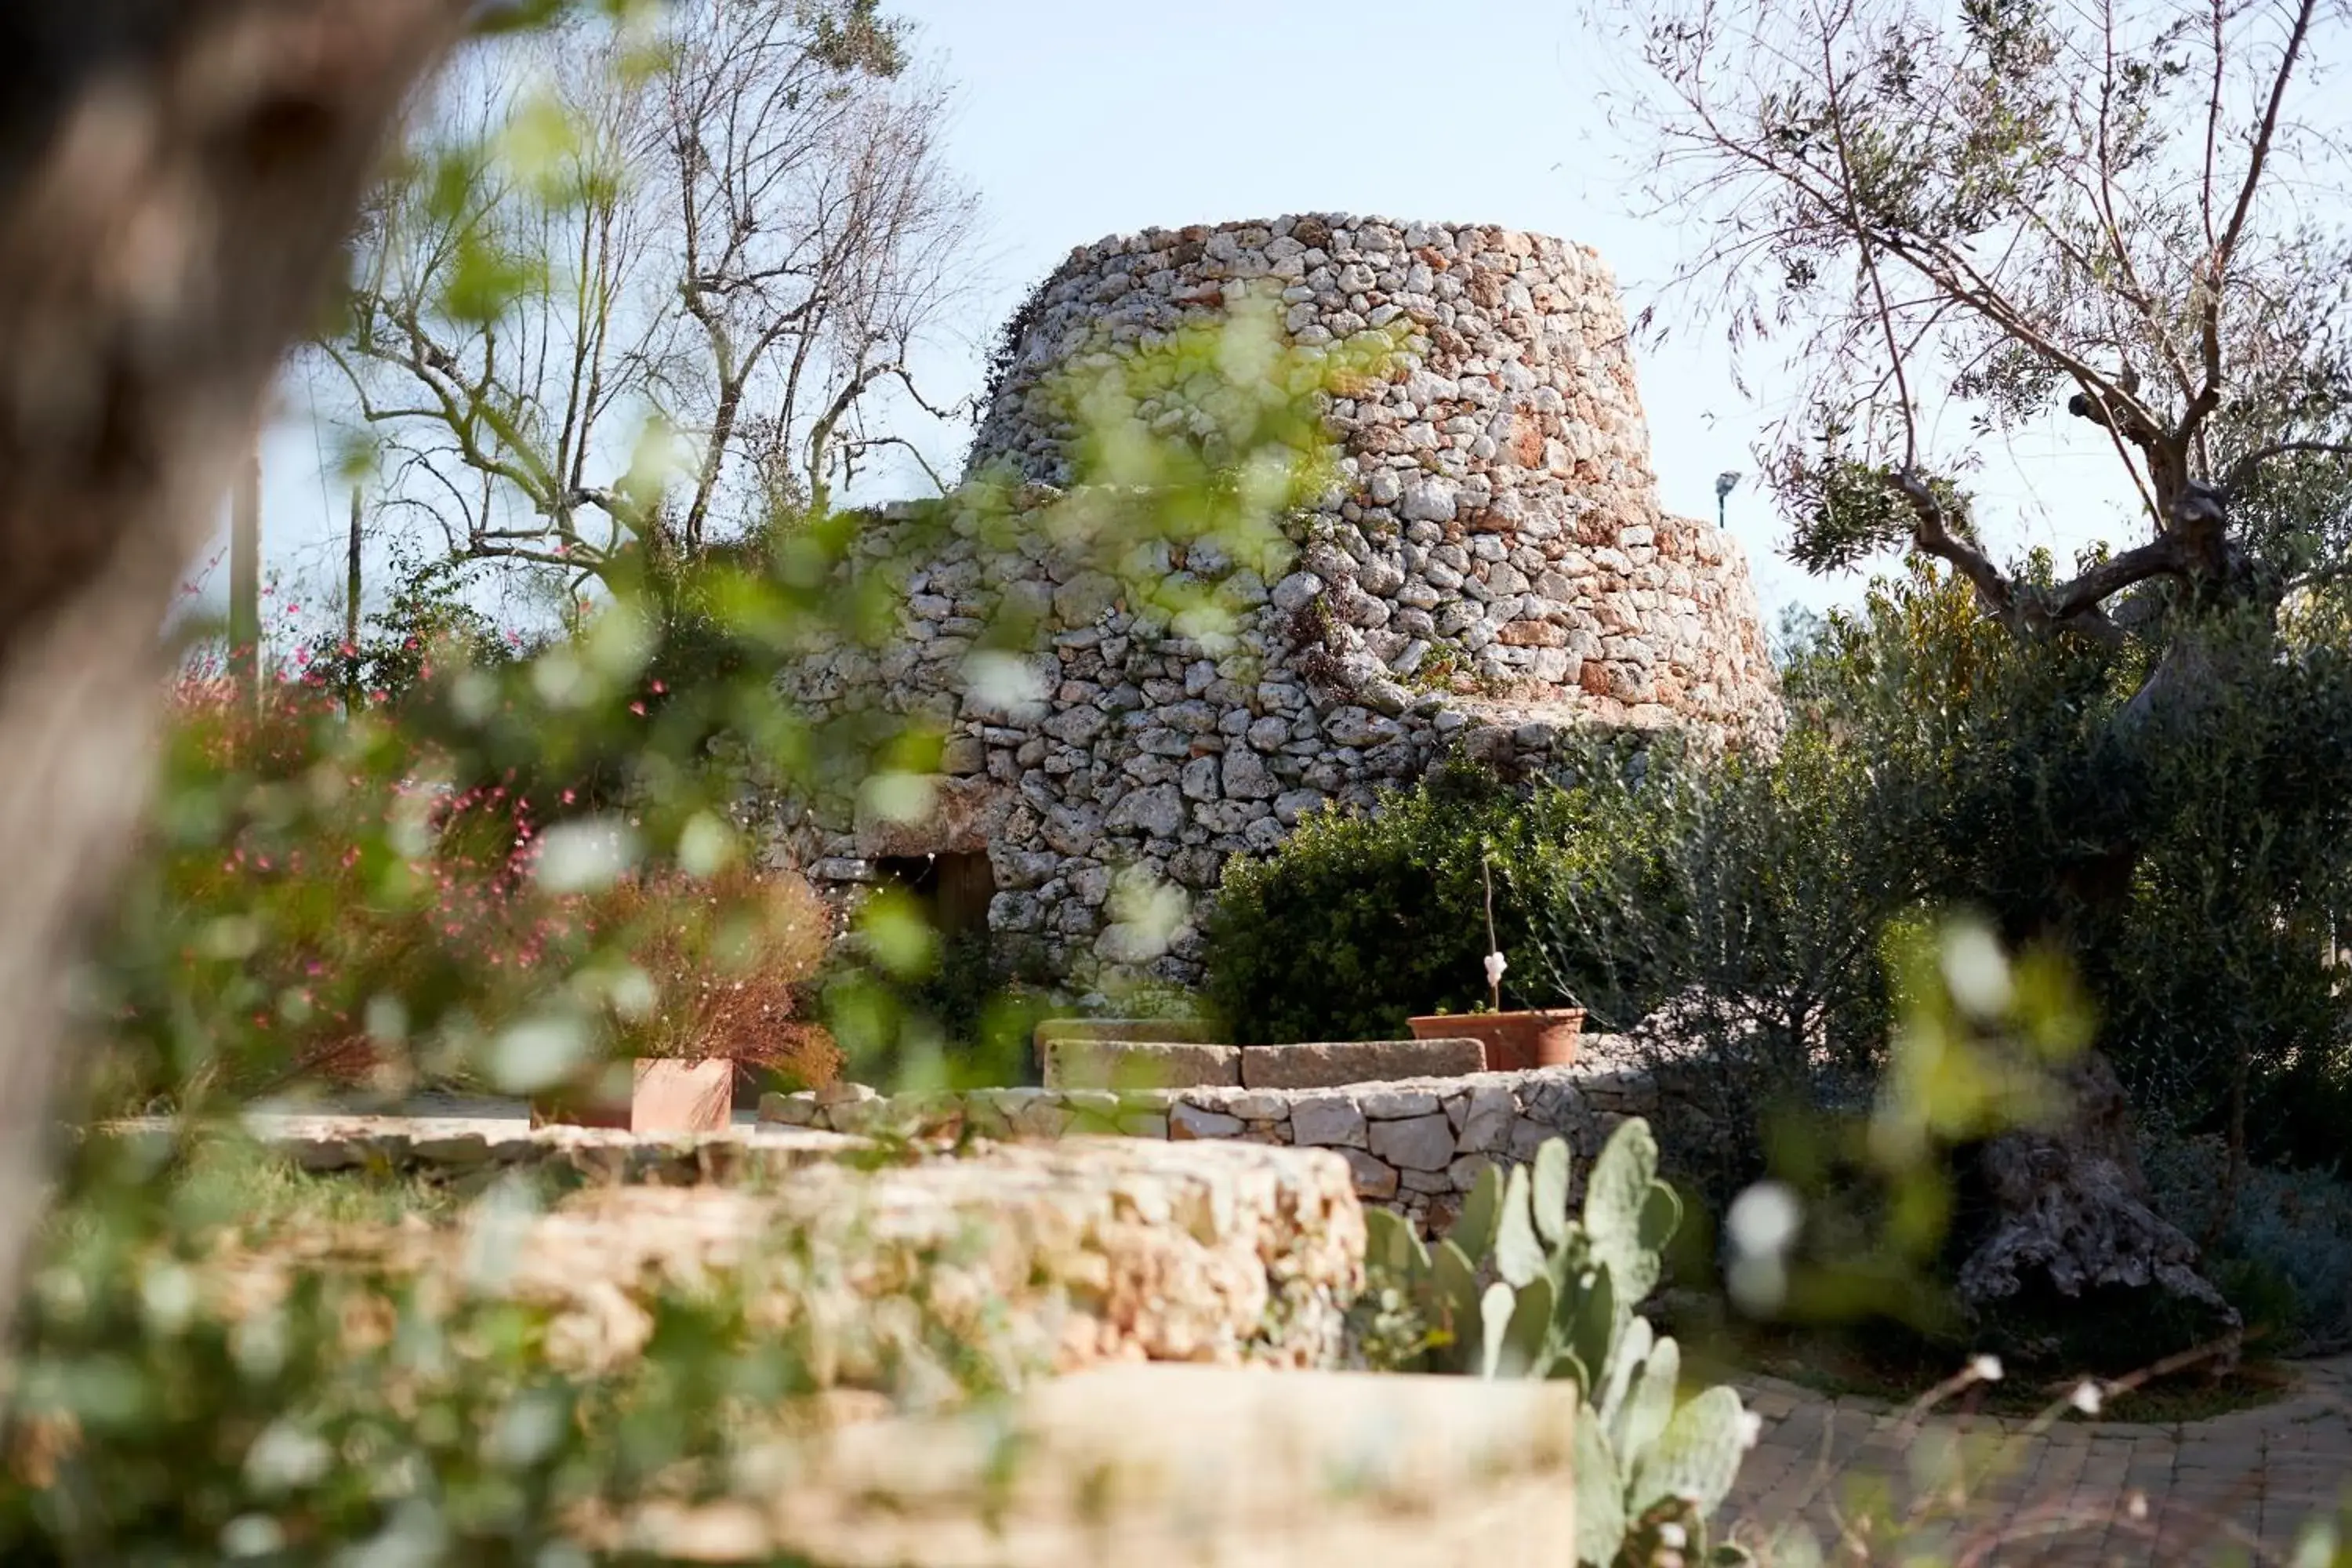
(1035, 1258)
(1085, 1062)
(1415, 1145)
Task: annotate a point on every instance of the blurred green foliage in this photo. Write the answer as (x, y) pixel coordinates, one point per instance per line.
(395, 849)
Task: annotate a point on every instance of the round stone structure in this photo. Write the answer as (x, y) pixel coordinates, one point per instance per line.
(1491, 573)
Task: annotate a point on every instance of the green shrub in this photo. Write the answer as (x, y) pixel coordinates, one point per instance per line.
(1362, 920)
(2283, 1251)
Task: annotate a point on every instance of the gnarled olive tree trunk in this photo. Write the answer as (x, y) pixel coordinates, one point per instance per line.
(176, 177)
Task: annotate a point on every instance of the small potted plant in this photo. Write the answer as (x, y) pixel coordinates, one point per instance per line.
(727, 958)
(1541, 1037)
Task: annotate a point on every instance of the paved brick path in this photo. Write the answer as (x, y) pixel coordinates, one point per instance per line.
(2237, 1488)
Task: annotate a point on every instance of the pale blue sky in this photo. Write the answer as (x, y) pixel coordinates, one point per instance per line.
(1076, 120)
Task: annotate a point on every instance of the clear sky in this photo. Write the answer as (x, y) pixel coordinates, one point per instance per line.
(1076, 119)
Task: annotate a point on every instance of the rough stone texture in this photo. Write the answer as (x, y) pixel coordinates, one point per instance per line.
(1049, 1256)
(1073, 1063)
(1372, 1470)
(1337, 1064)
(1416, 1143)
(1189, 1121)
(1330, 1122)
(1491, 571)
(2072, 1220)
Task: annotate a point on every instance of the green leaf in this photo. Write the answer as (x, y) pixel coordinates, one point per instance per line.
(1497, 1308)
(1550, 1193)
(1621, 1210)
(1522, 1350)
(1482, 1211)
(1453, 1302)
(1626, 1357)
(1662, 1215)
(1599, 1495)
(1390, 1242)
(1696, 1458)
(1519, 1256)
(1649, 1403)
(1594, 1322)
(1619, 1184)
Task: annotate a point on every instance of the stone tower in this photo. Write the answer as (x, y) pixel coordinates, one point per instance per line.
(1493, 571)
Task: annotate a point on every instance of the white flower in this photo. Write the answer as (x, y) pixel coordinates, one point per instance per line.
(2086, 1397)
(1751, 1428)
(1496, 964)
(1985, 1369)
(1672, 1536)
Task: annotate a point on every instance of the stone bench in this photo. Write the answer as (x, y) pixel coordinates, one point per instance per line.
(1073, 1060)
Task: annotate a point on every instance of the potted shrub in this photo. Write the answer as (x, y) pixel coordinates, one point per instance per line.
(727, 959)
(1541, 1037)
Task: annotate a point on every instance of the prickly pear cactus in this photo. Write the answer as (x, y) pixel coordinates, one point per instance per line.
(1521, 1288)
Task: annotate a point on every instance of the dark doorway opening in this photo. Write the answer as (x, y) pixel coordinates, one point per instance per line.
(955, 890)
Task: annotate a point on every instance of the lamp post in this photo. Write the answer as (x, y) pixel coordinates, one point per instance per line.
(1724, 483)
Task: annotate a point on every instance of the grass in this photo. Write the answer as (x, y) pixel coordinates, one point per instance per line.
(266, 1190)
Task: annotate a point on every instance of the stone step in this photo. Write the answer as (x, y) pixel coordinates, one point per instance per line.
(1179, 1467)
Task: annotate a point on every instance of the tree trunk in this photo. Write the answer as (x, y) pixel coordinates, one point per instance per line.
(352, 587)
(245, 578)
(176, 178)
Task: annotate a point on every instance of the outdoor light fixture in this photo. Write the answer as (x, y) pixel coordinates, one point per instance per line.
(1724, 483)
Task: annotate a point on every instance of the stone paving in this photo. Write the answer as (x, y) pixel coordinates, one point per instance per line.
(2069, 1494)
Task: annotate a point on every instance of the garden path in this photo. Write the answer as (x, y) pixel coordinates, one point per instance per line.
(2073, 1494)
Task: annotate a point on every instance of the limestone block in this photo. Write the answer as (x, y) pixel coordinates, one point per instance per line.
(1416, 1143)
(1486, 1119)
(1186, 1122)
(1384, 1103)
(1329, 1121)
(797, 1109)
(1369, 1469)
(1075, 1063)
(1191, 1030)
(1335, 1064)
(1374, 1179)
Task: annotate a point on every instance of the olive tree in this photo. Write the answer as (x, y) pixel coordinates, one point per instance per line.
(2119, 217)
(1996, 209)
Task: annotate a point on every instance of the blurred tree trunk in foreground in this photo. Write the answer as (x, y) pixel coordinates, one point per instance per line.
(176, 180)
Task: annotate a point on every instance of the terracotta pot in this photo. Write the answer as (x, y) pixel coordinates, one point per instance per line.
(666, 1095)
(1513, 1041)
(672, 1095)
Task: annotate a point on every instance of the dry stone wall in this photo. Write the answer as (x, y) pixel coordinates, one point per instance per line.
(1414, 1145)
(1491, 573)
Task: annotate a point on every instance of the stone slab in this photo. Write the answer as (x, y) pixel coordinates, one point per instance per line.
(1071, 1062)
(1192, 1031)
(1338, 1063)
(1232, 1466)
